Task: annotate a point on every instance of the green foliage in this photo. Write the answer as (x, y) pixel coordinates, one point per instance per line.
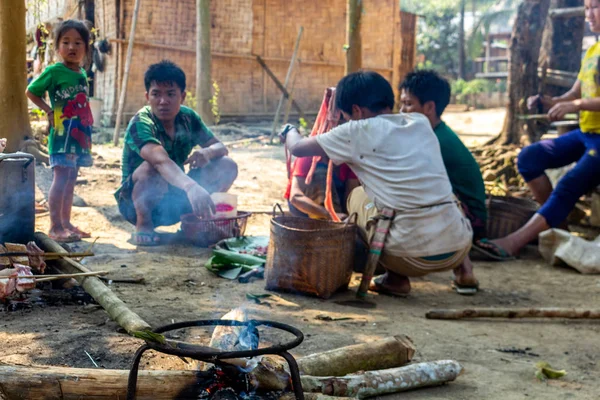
(191, 100)
(438, 30)
(214, 103)
(38, 114)
(462, 90)
(303, 123)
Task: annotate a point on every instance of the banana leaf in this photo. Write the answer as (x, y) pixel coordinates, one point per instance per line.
(246, 244)
(230, 264)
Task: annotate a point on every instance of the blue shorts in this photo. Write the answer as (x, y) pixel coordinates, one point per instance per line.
(68, 160)
(575, 146)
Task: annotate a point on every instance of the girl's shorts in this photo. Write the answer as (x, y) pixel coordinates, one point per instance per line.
(67, 160)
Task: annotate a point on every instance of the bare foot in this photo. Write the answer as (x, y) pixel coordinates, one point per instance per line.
(72, 228)
(465, 277)
(391, 284)
(64, 236)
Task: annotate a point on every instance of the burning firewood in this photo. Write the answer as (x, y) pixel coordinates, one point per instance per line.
(377, 383)
(235, 338)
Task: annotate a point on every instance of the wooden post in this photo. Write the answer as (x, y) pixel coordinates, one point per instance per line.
(461, 41)
(488, 52)
(123, 94)
(203, 62)
(117, 310)
(14, 119)
(353, 36)
(287, 81)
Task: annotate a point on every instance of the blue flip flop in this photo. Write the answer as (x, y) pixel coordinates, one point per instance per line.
(491, 250)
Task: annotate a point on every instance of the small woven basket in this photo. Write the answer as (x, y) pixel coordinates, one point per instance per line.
(310, 256)
(207, 232)
(507, 214)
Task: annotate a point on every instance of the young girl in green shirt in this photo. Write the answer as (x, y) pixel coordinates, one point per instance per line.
(70, 119)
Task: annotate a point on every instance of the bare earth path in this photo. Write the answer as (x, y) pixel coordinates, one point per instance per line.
(178, 288)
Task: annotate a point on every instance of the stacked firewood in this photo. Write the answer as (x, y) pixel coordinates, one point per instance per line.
(498, 165)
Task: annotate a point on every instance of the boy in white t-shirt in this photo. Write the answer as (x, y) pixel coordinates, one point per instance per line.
(398, 161)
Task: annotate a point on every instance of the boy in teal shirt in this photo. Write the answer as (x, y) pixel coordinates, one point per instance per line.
(427, 93)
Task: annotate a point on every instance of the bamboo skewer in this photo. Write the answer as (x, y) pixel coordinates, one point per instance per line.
(49, 256)
(570, 313)
(41, 278)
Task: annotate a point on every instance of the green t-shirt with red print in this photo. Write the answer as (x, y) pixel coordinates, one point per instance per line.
(68, 92)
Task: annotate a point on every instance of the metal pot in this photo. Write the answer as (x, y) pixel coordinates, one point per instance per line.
(17, 197)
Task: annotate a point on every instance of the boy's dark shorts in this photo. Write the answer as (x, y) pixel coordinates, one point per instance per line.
(168, 212)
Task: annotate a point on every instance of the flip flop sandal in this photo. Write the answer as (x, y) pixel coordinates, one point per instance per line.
(377, 287)
(491, 250)
(465, 290)
(152, 239)
(73, 237)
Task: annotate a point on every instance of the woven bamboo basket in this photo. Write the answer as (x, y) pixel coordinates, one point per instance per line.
(310, 256)
(507, 214)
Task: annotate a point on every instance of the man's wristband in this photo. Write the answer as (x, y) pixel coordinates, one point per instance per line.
(286, 129)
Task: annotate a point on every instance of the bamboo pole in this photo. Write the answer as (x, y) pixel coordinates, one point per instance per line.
(117, 310)
(378, 383)
(287, 82)
(48, 256)
(290, 102)
(203, 61)
(215, 54)
(123, 94)
(353, 36)
(570, 313)
(279, 85)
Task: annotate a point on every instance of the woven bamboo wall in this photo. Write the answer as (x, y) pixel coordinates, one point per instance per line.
(240, 30)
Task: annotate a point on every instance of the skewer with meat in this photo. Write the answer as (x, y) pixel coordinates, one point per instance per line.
(30, 255)
(15, 280)
(8, 282)
(36, 260)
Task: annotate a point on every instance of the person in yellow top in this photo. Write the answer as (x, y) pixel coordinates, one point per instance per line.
(581, 146)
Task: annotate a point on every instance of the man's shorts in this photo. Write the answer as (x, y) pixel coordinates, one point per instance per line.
(359, 203)
(68, 160)
(173, 205)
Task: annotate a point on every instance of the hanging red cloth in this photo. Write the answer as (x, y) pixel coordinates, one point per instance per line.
(328, 118)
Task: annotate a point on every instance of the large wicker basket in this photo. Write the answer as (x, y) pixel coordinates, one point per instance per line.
(507, 214)
(310, 256)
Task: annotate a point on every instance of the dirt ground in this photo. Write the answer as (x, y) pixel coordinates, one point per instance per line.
(178, 288)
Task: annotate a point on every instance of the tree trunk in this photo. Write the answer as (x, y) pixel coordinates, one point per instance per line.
(203, 62)
(562, 42)
(522, 73)
(14, 118)
(461, 41)
(353, 36)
